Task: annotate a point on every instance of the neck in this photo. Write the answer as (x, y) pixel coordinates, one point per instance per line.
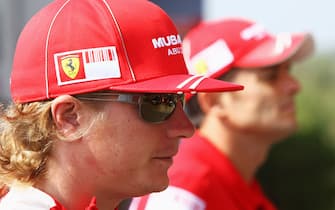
(72, 189)
(246, 151)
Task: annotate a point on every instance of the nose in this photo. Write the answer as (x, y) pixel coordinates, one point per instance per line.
(179, 124)
(291, 84)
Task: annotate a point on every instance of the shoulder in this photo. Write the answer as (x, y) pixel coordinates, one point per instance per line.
(27, 198)
(172, 198)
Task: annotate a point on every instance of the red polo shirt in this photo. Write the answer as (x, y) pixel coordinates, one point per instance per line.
(201, 177)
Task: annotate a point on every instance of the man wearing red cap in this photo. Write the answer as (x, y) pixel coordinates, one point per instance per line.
(97, 109)
(216, 168)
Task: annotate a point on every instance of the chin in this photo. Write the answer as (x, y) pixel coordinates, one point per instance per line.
(161, 185)
(159, 189)
(286, 123)
(155, 184)
(284, 131)
(150, 187)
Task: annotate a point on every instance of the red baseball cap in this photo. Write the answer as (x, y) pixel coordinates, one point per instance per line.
(214, 47)
(80, 46)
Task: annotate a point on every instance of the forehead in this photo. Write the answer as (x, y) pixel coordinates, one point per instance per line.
(264, 70)
(284, 65)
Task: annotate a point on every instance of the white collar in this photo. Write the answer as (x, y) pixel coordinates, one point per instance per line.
(27, 198)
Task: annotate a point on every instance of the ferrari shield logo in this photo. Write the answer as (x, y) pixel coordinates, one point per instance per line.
(201, 67)
(70, 65)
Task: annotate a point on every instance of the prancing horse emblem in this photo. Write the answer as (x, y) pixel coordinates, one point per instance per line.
(70, 65)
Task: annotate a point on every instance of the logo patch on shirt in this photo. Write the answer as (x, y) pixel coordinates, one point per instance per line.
(87, 65)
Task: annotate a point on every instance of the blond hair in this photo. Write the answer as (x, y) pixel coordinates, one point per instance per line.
(27, 131)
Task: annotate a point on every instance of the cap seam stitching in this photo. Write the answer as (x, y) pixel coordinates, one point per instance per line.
(122, 40)
(47, 47)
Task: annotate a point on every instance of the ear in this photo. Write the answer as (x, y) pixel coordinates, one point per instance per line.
(65, 112)
(207, 101)
(214, 103)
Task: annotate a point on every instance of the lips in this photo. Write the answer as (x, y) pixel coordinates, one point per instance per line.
(164, 161)
(288, 106)
(165, 157)
(166, 150)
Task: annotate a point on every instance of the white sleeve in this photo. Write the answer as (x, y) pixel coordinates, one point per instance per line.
(172, 198)
(27, 198)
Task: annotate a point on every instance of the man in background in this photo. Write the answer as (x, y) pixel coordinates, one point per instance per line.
(216, 168)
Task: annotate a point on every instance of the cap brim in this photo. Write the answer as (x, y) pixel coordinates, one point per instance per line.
(276, 50)
(178, 84)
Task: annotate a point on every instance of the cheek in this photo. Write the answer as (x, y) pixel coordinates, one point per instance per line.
(259, 98)
(252, 104)
(118, 154)
(123, 141)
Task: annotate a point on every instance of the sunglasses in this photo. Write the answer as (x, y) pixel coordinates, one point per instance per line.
(152, 107)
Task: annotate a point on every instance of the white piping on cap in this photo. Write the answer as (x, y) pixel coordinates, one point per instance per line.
(194, 84)
(122, 40)
(181, 85)
(47, 46)
(197, 82)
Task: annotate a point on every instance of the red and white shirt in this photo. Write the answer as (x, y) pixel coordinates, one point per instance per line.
(202, 178)
(30, 198)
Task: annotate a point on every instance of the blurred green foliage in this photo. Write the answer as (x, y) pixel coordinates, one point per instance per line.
(300, 171)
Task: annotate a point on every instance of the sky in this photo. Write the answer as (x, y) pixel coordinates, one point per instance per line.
(314, 16)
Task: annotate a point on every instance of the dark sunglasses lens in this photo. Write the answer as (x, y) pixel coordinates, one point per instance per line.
(158, 107)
